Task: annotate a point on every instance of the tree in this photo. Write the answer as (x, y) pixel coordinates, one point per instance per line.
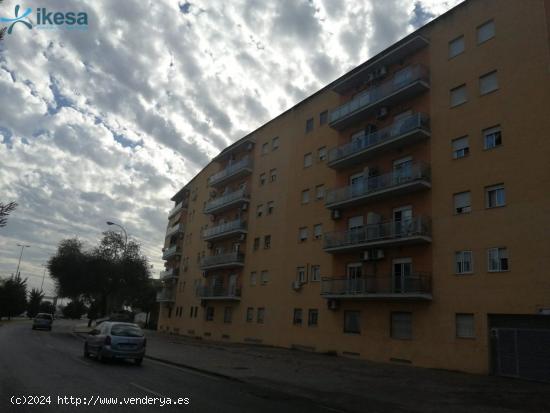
(75, 309)
(68, 268)
(47, 307)
(5, 210)
(33, 306)
(13, 296)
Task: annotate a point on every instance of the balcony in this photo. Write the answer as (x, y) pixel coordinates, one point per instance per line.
(236, 170)
(219, 293)
(403, 132)
(404, 85)
(227, 201)
(169, 274)
(226, 230)
(416, 230)
(230, 260)
(166, 296)
(416, 286)
(179, 206)
(176, 229)
(170, 252)
(403, 181)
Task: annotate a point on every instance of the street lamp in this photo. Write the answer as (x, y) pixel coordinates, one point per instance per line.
(43, 276)
(125, 233)
(20, 255)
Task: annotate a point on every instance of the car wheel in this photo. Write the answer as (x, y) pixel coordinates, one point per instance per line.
(86, 352)
(138, 361)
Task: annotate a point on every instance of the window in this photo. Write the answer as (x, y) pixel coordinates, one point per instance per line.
(322, 153)
(462, 203)
(309, 125)
(463, 262)
(312, 317)
(297, 318)
(492, 137)
(270, 207)
(259, 210)
(497, 259)
(264, 277)
(302, 234)
(262, 179)
(273, 175)
(456, 46)
(488, 83)
(319, 192)
(209, 313)
(465, 325)
(253, 278)
(256, 243)
(351, 322)
(191, 312)
(318, 231)
(495, 196)
(260, 316)
(323, 117)
(249, 314)
(301, 274)
(315, 273)
(267, 242)
(461, 147)
(227, 314)
(275, 143)
(265, 148)
(401, 325)
(485, 32)
(305, 196)
(196, 311)
(458, 95)
(308, 160)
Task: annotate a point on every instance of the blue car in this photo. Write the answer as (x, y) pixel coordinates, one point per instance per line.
(42, 321)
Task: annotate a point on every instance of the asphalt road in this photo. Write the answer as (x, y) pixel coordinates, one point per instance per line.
(42, 363)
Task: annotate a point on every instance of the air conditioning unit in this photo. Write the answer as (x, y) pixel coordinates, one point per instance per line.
(382, 112)
(336, 214)
(333, 305)
(296, 285)
(373, 255)
(244, 207)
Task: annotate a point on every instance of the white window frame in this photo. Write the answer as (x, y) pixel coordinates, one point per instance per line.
(265, 148)
(318, 231)
(322, 153)
(273, 175)
(253, 276)
(488, 83)
(501, 254)
(491, 135)
(305, 196)
(303, 234)
(263, 179)
(461, 147)
(308, 160)
(315, 273)
(498, 189)
(301, 274)
(270, 207)
(465, 325)
(466, 209)
(320, 191)
(275, 142)
(461, 258)
(264, 277)
(259, 210)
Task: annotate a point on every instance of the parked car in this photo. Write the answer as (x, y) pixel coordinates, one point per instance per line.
(42, 320)
(116, 340)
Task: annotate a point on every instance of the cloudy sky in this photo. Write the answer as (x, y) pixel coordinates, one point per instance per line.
(108, 123)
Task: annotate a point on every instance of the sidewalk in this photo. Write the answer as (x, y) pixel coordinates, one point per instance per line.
(351, 384)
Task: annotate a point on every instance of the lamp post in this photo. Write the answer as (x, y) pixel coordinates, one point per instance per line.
(20, 255)
(43, 276)
(125, 233)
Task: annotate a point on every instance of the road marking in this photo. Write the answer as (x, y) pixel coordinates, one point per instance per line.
(147, 390)
(190, 371)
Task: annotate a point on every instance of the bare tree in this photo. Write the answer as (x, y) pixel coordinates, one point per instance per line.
(5, 210)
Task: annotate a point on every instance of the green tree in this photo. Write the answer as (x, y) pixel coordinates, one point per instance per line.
(68, 268)
(33, 306)
(47, 307)
(75, 309)
(13, 296)
(5, 209)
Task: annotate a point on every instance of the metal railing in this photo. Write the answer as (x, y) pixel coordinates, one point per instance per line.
(218, 292)
(419, 171)
(417, 226)
(368, 140)
(176, 228)
(224, 200)
(170, 273)
(376, 94)
(416, 283)
(168, 252)
(176, 209)
(166, 295)
(244, 163)
(230, 226)
(213, 260)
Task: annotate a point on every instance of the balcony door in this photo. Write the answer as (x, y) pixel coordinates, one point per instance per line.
(355, 229)
(232, 285)
(402, 221)
(357, 184)
(402, 271)
(217, 285)
(400, 123)
(355, 280)
(402, 77)
(402, 170)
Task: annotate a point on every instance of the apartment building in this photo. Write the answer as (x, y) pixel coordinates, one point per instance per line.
(400, 214)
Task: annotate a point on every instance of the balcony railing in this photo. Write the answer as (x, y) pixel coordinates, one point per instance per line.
(224, 230)
(176, 209)
(403, 85)
(178, 228)
(235, 170)
(404, 131)
(408, 179)
(232, 259)
(219, 204)
(169, 273)
(416, 286)
(219, 293)
(409, 231)
(166, 295)
(170, 252)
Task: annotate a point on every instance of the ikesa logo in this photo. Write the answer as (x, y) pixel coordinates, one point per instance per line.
(46, 19)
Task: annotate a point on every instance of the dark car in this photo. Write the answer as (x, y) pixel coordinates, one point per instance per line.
(42, 321)
(115, 340)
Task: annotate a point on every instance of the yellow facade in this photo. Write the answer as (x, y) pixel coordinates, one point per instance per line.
(404, 300)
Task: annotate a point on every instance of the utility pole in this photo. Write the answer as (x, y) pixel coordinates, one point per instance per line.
(43, 276)
(20, 255)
